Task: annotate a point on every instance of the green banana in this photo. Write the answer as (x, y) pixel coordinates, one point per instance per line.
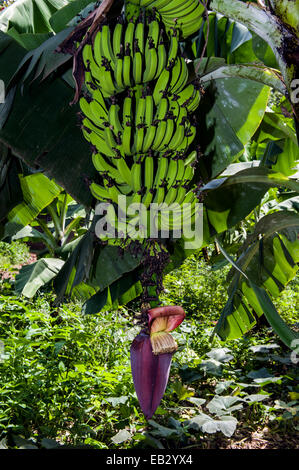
(124, 170)
(98, 112)
(174, 46)
(139, 138)
(127, 65)
(149, 109)
(113, 118)
(140, 110)
(159, 196)
(102, 166)
(151, 64)
(188, 174)
(109, 191)
(103, 75)
(179, 75)
(178, 136)
(137, 66)
(118, 73)
(161, 85)
(180, 170)
(148, 172)
(171, 195)
(186, 95)
(162, 109)
(139, 35)
(136, 178)
(129, 36)
(126, 138)
(192, 157)
(117, 37)
(90, 83)
(99, 98)
(180, 195)
(160, 133)
(149, 136)
(189, 136)
(172, 172)
(161, 171)
(110, 138)
(193, 103)
(162, 59)
(174, 8)
(87, 56)
(88, 124)
(87, 109)
(153, 34)
(96, 49)
(99, 192)
(167, 135)
(105, 45)
(127, 107)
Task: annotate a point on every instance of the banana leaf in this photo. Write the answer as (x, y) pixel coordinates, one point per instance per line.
(33, 276)
(267, 262)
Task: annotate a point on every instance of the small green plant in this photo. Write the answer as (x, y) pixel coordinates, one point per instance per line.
(13, 253)
(56, 227)
(199, 289)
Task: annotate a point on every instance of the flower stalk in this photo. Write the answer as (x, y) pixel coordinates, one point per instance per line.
(151, 356)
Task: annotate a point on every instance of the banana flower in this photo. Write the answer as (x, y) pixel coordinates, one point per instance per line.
(151, 356)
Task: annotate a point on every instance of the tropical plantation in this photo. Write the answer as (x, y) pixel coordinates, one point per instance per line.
(149, 225)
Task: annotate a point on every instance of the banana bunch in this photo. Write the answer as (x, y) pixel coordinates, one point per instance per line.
(152, 178)
(134, 52)
(138, 118)
(184, 15)
(138, 125)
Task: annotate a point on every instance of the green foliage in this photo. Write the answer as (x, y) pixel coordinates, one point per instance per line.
(59, 369)
(199, 289)
(66, 380)
(13, 253)
(66, 377)
(288, 302)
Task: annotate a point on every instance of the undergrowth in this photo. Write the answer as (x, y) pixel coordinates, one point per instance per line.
(66, 380)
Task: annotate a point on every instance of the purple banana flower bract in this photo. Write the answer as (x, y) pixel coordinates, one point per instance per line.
(150, 373)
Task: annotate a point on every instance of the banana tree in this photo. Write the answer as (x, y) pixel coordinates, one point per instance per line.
(235, 58)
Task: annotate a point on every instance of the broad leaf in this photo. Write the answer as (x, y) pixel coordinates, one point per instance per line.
(120, 292)
(256, 73)
(267, 262)
(61, 18)
(33, 276)
(229, 200)
(202, 422)
(48, 137)
(30, 16)
(221, 405)
(29, 233)
(38, 192)
(233, 110)
(77, 268)
(10, 187)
